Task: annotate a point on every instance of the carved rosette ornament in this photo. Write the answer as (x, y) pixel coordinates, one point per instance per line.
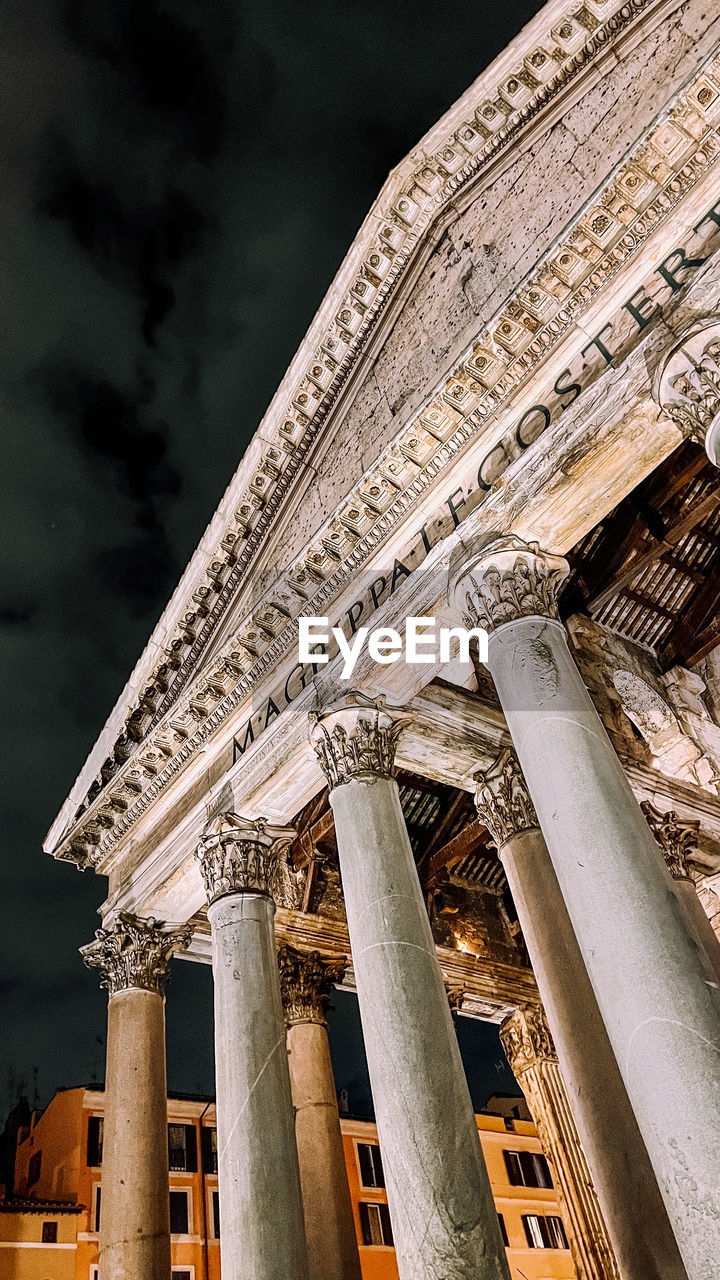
(502, 799)
(687, 385)
(675, 838)
(526, 1039)
(307, 979)
(355, 740)
(239, 855)
(505, 580)
(134, 954)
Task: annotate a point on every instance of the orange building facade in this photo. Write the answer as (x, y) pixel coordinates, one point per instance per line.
(58, 1184)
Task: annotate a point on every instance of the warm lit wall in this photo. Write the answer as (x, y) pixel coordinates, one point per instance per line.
(23, 1256)
(61, 1134)
(378, 1262)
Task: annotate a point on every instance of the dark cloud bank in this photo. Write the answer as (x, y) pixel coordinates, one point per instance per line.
(180, 183)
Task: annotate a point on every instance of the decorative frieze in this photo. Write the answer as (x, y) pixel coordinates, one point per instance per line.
(675, 837)
(631, 205)
(356, 741)
(239, 855)
(687, 385)
(307, 979)
(505, 580)
(502, 799)
(133, 953)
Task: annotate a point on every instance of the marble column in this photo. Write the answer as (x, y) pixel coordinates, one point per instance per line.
(661, 1015)
(444, 1220)
(262, 1234)
(133, 956)
(306, 983)
(640, 1236)
(530, 1051)
(676, 839)
(687, 385)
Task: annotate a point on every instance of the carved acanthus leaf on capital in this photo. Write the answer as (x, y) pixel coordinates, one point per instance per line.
(357, 740)
(508, 579)
(503, 801)
(526, 1039)
(675, 838)
(239, 855)
(687, 385)
(307, 979)
(133, 953)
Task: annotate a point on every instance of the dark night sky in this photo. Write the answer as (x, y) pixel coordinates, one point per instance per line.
(180, 182)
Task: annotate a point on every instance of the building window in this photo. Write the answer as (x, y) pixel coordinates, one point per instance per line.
(503, 1230)
(370, 1161)
(34, 1168)
(182, 1275)
(182, 1148)
(95, 1142)
(544, 1233)
(96, 1208)
(375, 1223)
(216, 1214)
(209, 1149)
(94, 1273)
(527, 1169)
(49, 1232)
(558, 1239)
(179, 1213)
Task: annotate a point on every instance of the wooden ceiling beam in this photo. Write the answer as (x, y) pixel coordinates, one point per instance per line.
(699, 512)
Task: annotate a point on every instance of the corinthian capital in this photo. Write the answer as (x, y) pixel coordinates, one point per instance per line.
(504, 580)
(134, 953)
(356, 739)
(237, 855)
(503, 801)
(675, 838)
(526, 1039)
(687, 385)
(306, 983)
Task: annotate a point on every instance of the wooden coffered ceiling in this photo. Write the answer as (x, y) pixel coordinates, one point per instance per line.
(443, 829)
(650, 570)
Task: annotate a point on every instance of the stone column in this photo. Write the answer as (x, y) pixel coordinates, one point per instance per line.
(676, 839)
(662, 1017)
(444, 1219)
(306, 981)
(133, 955)
(687, 385)
(262, 1235)
(530, 1051)
(627, 1189)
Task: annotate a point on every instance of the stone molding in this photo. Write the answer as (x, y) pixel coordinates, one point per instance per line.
(674, 836)
(526, 1039)
(503, 801)
(506, 580)
(356, 740)
(307, 979)
(240, 855)
(687, 385)
(134, 954)
(582, 263)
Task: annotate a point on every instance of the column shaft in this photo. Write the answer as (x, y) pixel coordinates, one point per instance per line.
(135, 1202)
(662, 1017)
(621, 1171)
(329, 1225)
(261, 1221)
(443, 1214)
